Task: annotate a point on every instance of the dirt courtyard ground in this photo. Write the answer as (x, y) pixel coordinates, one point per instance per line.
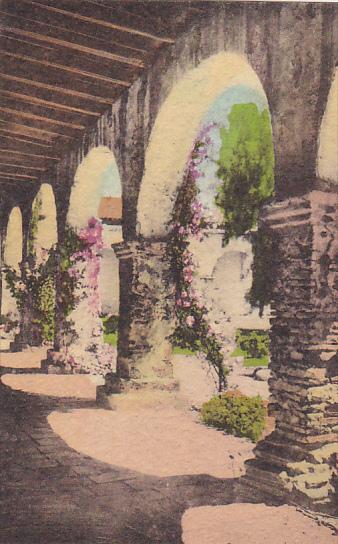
(147, 473)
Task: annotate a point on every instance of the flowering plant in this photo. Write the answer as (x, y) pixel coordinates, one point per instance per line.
(33, 286)
(85, 350)
(193, 329)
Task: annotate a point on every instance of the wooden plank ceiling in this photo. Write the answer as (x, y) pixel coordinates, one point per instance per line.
(63, 63)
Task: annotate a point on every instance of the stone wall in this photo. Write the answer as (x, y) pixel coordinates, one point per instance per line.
(299, 459)
(224, 278)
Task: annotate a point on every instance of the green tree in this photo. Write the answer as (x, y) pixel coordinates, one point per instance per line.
(246, 166)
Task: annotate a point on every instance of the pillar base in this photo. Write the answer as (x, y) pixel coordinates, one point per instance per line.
(117, 386)
(55, 363)
(17, 345)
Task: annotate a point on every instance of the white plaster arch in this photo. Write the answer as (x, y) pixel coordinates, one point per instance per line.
(12, 257)
(175, 131)
(97, 177)
(46, 235)
(87, 190)
(327, 161)
(14, 239)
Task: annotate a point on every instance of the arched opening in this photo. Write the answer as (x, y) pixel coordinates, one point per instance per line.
(327, 160)
(39, 268)
(43, 224)
(95, 218)
(176, 129)
(215, 122)
(12, 260)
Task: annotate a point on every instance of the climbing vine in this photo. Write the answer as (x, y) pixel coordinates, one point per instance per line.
(34, 286)
(83, 349)
(193, 330)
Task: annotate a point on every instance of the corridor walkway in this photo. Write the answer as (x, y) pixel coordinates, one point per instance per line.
(58, 487)
(52, 494)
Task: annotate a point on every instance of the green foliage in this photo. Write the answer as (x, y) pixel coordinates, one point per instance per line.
(110, 338)
(46, 307)
(236, 414)
(33, 226)
(63, 253)
(35, 287)
(264, 250)
(110, 329)
(196, 338)
(110, 324)
(246, 165)
(254, 343)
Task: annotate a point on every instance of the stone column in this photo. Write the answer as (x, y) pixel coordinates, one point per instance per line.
(297, 463)
(146, 317)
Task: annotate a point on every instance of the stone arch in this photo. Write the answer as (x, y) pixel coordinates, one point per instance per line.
(97, 192)
(97, 176)
(176, 128)
(95, 210)
(327, 159)
(13, 249)
(45, 235)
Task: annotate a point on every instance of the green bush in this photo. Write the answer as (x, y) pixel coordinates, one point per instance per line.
(110, 324)
(236, 414)
(255, 343)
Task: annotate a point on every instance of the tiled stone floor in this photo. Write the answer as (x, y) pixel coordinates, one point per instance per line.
(51, 494)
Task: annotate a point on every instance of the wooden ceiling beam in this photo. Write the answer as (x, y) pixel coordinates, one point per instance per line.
(16, 141)
(12, 181)
(84, 13)
(19, 167)
(50, 35)
(23, 176)
(58, 88)
(69, 69)
(15, 152)
(38, 133)
(47, 104)
(12, 42)
(33, 117)
(101, 36)
(70, 118)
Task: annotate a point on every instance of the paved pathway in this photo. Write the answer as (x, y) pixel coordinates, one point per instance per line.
(51, 494)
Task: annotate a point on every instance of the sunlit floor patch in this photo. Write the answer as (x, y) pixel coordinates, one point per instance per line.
(23, 359)
(162, 442)
(251, 524)
(77, 386)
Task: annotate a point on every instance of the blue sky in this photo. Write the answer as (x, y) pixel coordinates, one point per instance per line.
(110, 181)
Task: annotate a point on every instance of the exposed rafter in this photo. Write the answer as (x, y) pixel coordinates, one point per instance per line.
(63, 64)
(47, 103)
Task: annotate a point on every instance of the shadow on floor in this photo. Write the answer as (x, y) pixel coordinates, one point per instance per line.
(53, 494)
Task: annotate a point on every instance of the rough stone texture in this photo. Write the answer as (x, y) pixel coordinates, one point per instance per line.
(146, 314)
(299, 459)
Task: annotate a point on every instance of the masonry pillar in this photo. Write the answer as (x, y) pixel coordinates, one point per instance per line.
(146, 317)
(297, 463)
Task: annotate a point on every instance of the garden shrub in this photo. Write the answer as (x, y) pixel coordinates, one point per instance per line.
(255, 343)
(236, 414)
(110, 324)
